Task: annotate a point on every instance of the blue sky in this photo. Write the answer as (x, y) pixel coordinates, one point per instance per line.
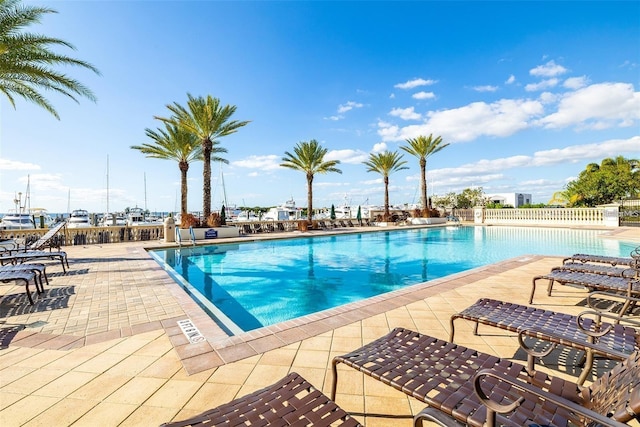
(526, 93)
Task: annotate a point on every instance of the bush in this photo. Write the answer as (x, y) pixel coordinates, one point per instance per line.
(214, 220)
(189, 220)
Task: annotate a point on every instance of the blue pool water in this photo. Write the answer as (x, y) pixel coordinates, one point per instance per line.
(257, 284)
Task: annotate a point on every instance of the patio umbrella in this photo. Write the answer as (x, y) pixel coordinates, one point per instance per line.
(333, 212)
(359, 215)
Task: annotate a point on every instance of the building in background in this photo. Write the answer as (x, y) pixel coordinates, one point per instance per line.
(514, 199)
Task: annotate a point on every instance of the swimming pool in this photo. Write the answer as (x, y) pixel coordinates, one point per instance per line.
(249, 285)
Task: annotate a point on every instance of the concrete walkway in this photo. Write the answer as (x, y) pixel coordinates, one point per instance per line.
(102, 345)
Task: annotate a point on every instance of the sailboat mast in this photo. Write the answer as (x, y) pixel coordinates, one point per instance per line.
(145, 192)
(224, 189)
(107, 185)
(27, 196)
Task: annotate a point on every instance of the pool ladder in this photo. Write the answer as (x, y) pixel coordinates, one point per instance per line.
(192, 234)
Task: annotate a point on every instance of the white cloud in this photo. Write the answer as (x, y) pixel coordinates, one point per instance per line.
(423, 95)
(376, 181)
(485, 88)
(598, 106)
(575, 82)
(392, 96)
(550, 69)
(501, 118)
(379, 147)
(405, 113)
(13, 165)
(334, 118)
(347, 156)
(263, 163)
(542, 85)
(510, 80)
(541, 183)
(571, 154)
(548, 97)
(410, 84)
(350, 105)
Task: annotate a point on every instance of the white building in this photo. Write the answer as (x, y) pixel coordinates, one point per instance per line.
(514, 199)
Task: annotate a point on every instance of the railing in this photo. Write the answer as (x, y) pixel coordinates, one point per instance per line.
(92, 235)
(560, 216)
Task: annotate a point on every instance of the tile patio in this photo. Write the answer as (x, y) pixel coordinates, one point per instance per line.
(102, 345)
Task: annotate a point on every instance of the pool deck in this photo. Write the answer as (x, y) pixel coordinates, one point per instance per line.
(102, 345)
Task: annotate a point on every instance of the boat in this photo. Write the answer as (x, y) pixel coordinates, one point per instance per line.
(113, 220)
(42, 218)
(135, 216)
(17, 221)
(246, 216)
(285, 212)
(79, 218)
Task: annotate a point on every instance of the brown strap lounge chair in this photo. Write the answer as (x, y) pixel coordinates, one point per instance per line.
(612, 341)
(632, 261)
(590, 281)
(291, 401)
(604, 270)
(20, 257)
(22, 276)
(463, 386)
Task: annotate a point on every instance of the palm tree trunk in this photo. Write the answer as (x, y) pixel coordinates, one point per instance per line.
(184, 168)
(386, 198)
(206, 179)
(423, 187)
(309, 198)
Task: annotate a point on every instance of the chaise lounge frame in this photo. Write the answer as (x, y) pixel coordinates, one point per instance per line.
(591, 335)
(292, 401)
(626, 284)
(468, 387)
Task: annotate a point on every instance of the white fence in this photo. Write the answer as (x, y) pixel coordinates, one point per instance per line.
(607, 216)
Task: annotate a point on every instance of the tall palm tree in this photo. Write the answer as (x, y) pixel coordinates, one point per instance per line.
(208, 121)
(422, 147)
(385, 163)
(173, 143)
(26, 59)
(309, 158)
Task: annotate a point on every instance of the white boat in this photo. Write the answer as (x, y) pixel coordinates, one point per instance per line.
(113, 220)
(136, 217)
(47, 220)
(17, 221)
(246, 216)
(79, 218)
(285, 212)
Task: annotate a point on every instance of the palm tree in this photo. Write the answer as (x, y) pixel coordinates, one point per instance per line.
(173, 143)
(26, 59)
(309, 158)
(207, 120)
(422, 147)
(385, 163)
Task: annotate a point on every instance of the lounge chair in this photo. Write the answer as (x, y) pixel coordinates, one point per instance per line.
(21, 257)
(590, 281)
(613, 341)
(600, 269)
(23, 276)
(463, 386)
(632, 261)
(45, 240)
(291, 401)
(39, 269)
